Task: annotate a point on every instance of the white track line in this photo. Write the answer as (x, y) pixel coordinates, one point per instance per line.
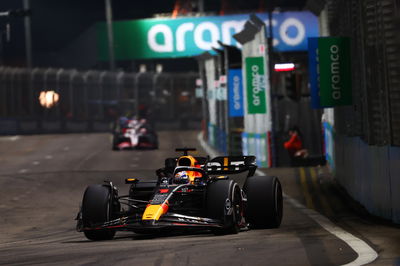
(12, 138)
(365, 254)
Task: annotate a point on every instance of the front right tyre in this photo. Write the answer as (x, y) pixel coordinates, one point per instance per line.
(97, 208)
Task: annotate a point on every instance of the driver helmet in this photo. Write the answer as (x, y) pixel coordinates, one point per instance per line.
(181, 177)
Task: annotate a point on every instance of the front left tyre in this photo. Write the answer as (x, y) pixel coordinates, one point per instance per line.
(97, 208)
(264, 201)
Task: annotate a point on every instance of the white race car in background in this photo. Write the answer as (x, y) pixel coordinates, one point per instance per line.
(134, 133)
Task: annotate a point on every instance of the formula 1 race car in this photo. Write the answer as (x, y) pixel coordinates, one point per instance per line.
(190, 192)
(133, 133)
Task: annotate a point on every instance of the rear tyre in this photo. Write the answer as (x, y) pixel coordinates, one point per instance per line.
(224, 202)
(264, 201)
(97, 208)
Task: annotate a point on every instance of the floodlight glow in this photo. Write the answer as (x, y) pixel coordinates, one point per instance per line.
(48, 99)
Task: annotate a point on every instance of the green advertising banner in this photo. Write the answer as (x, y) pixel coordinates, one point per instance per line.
(334, 71)
(255, 85)
(191, 36)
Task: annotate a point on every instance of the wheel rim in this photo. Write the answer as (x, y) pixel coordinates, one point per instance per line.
(237, 205)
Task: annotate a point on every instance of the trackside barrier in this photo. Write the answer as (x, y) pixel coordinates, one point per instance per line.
(92, 100)
(362, 141)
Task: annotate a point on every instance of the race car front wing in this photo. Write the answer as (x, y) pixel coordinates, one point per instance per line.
(167, 220)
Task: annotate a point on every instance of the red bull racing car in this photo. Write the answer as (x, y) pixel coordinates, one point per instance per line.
(189, 192)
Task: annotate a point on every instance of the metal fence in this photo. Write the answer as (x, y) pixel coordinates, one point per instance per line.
(371, 25)
(90, 100)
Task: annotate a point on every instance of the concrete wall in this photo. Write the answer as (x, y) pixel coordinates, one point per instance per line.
(370, 174)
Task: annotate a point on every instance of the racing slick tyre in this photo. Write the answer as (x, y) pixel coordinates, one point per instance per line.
(264, 201)
(224, 202)
(97, 208)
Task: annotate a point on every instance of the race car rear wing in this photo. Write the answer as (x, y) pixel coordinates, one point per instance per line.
(223, 165)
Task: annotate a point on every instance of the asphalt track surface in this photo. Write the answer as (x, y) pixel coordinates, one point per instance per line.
(42, 180)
